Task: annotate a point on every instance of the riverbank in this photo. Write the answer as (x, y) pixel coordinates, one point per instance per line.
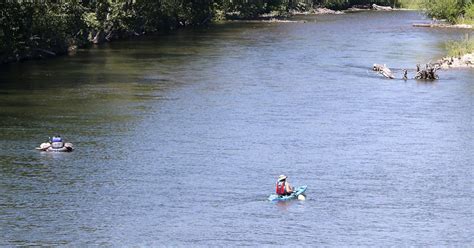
(37, 31)
(351, 9)
(32, 30)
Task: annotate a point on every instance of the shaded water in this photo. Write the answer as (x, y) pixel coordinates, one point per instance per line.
(179, 139)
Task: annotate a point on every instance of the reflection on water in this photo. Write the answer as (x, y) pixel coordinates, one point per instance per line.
(179, 139)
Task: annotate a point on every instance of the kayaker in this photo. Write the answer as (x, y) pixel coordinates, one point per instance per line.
(283, 187)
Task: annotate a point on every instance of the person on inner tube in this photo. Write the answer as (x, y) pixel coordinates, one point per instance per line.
(56, 138)
(283, 187)
(57, 142)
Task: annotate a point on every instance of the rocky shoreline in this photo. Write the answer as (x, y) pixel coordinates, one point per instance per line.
(277, 17)
(355, 8)
(464, 61)
(443, 25)
(318, 11)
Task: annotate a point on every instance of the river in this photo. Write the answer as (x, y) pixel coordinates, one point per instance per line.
(180, 138)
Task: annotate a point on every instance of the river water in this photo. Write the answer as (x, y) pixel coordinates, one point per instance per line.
(180, 137)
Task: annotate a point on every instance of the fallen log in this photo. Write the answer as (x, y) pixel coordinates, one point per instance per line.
(383, 8)
(46, 51)
(383, 69)
(326, 11)
(361, 6)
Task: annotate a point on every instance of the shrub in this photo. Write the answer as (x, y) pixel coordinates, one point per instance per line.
(461, 47)
(449, 10)
(469, 12)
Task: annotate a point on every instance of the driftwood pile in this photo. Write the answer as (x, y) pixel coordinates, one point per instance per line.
(429, 73)
(383, 8)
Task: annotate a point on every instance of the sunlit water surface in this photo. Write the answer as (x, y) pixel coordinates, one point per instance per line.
(179, 139)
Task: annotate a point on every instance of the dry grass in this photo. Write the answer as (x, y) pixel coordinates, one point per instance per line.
(460, 47)
(410, 4)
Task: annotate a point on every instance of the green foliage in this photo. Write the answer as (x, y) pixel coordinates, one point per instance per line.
(461, 47)
(334, 4)
(29, 27)
(410, 4)
(469, 13)
(90, 19)
(449, 10)
(244, 8)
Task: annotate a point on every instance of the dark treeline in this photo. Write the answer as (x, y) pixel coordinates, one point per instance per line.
(31, 29)
(41, 28)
